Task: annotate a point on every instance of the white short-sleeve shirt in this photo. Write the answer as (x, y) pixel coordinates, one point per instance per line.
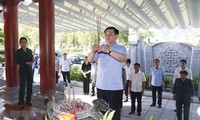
(137, 80)
(177, 73)
(129, 70)
(66, 65)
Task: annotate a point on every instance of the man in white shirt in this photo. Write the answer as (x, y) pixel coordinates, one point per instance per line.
(129, 68)
(137, 84)
(57, 64)
(183, 66)
(65, 68)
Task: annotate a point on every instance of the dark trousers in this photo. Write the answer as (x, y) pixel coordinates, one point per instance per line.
(66, 74)
(183, 104)
(93, 89)
(159, 91)
(114, 99)
(56, 77)
(138, 96)
(33, 71)
(126, 88)
(25, 82)
(86, 84)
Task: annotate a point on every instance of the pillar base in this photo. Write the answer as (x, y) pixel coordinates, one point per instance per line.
(10, 95)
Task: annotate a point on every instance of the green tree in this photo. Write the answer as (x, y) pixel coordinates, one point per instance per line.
(145, 34)
(1, 37)
(123, 37)
(69, 41)
(32, 37)
(87, 39)
(83, 40)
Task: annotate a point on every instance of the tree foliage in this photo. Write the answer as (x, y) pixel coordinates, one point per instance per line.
(32, 37)
(123, 37)
(1, 37)
(71, 41)
(145, 34)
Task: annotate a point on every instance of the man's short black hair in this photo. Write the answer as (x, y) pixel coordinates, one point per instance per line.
(128, 61)
(184, 72)
(183, 60)
(157, 60)
(137, 64)
(113, 28)
(22, 38)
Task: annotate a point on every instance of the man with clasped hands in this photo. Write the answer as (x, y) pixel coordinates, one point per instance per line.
(109, 71)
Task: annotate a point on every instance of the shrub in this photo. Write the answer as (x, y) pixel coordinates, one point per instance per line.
(76, 73)
(147, 75)
(195, 82)
(2, 56)
(2, 52)
(2, 59)
(168, 81)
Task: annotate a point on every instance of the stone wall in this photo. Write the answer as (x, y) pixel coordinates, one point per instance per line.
(148, 52)
(195, 61)
(169, 54)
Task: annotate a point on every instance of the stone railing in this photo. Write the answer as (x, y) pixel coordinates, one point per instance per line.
(2, 71)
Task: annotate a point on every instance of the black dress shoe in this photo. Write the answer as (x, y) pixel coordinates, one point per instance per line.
(21, 106)
(92, 95)
(175, 110)
(159, 106)
(126, 100)
(139, 114)
(131, 112)
(29, 103)
(152, 105)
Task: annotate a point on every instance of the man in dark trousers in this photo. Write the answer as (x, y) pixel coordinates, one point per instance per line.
(182, 93)
(24, 58)
(157, 74)
(129, 68)
(109, 71)
(137, 84)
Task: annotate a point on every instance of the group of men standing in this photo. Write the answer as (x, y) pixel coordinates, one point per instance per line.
(135, 85)
(109, 78)
(182, 86)
(109, 84)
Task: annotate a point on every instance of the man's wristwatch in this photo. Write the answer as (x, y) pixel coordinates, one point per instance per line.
(109, 52)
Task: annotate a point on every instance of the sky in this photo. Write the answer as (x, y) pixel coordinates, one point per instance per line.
(187, 35)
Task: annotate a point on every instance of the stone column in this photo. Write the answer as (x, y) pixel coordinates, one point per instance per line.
(140, 55)
(10, 15)
(47, 45)
(133, 39)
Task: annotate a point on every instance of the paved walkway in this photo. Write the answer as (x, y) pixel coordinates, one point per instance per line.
(164, 113)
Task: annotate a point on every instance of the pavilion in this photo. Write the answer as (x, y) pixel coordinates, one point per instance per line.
(50, 16)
